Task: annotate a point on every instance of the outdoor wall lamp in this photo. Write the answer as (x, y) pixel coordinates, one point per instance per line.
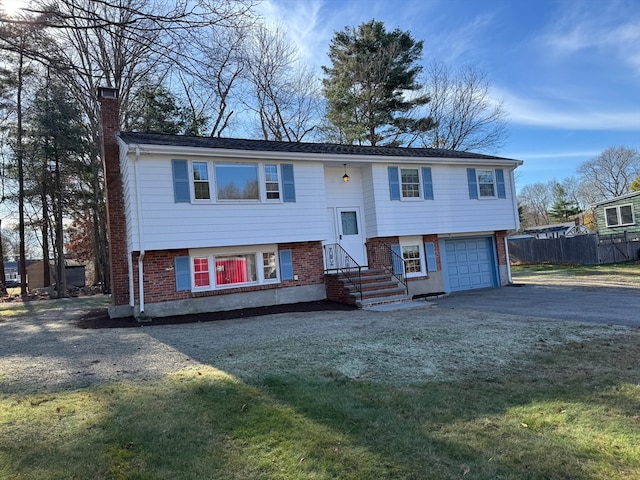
(345, 177)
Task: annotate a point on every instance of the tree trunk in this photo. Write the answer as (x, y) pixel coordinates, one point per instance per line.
(46, 265)
(61, 283)
(19, 157)
(3, 285)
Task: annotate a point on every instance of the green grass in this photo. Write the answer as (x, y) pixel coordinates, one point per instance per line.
(628, 272)
(565, 412)
(15, 309)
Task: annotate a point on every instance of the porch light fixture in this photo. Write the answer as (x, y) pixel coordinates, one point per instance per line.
(345, 177)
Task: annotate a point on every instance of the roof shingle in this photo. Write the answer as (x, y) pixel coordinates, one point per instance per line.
(295, 147)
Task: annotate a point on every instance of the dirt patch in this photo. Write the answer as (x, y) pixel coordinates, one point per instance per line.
(99, 318)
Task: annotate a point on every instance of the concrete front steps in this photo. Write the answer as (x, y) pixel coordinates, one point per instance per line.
(378, 288)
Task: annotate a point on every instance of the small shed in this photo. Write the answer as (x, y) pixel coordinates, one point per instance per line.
(74, 274)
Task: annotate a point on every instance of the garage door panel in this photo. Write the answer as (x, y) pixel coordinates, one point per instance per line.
(470, 263)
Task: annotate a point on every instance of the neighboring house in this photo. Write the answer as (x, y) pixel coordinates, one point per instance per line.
(619, 215)
(205, 224)
(74, 274)
(12, 272)
(556, 230)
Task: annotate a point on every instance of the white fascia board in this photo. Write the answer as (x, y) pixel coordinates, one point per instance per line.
(314, 157)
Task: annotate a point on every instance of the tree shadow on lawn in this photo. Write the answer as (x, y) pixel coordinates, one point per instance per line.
(570, 412)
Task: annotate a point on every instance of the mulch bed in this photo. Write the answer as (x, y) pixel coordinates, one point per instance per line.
(99, 318)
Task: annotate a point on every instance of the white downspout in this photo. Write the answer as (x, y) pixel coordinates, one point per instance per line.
(132, 299)
(506, 251)
(512, 178)
(140, 234)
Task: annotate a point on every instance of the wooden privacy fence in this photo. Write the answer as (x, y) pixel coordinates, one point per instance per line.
(582, 249)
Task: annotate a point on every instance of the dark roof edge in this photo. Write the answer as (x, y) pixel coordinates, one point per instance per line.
(615, 199)
(296, 147)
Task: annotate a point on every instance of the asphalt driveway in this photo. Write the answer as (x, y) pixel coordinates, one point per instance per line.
(598, 304)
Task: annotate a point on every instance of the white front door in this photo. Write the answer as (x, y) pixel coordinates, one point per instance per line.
(350, 235)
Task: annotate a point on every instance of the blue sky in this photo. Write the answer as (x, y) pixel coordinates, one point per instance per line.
(567, 70)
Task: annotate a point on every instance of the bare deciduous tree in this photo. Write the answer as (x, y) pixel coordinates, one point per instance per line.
(611, 173)
(535, 202)
(119, 43)
(287, 96)
(464, 114)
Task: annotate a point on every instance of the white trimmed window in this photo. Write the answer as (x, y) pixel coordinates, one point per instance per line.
(410, 182)
(413, 256)
(201, 278)
(619, 215)
(237, 181)
(201, 181)
(234, 267)
(207, 182)
(271, 184)
(486, 183)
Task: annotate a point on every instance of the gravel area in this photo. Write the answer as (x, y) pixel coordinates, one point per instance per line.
(43, 349)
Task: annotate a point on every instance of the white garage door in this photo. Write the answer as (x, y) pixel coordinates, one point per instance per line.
(470, 263)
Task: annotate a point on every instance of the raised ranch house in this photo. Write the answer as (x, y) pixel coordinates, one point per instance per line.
(206, 224)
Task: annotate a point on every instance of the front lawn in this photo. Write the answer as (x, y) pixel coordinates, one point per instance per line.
(625, 273)
(569, 411)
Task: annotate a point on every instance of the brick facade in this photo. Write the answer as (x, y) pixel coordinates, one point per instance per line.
(118, 269)
(160, 279)
(376, 257)
(434, 239)
(500, 247)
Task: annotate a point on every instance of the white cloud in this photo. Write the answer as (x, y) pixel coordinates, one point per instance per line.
(301, 22)
(563, 112)
(558, 155)
(612, 29)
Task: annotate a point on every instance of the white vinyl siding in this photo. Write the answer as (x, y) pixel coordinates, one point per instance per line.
(451, 211)
(169, 225)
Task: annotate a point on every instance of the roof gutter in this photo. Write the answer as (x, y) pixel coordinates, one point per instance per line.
(150, 149)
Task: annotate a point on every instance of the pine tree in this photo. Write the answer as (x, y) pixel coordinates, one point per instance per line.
(369, 87)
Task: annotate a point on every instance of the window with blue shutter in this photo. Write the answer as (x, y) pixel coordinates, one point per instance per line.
(394, 183)
(473, 182)
(427, 183)
(180, 171)
(430, 252)
(286, 265)
(183, 273)
(288, 183)
(502, 193)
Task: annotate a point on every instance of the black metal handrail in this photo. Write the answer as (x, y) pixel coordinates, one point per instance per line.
(383, 256)
(337, 259)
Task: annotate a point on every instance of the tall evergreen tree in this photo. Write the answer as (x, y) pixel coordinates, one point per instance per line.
(154, 109)
(370, 86)
(563, 208)
(59, 142)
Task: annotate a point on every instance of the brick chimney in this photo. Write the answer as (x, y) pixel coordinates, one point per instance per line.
(116, 227)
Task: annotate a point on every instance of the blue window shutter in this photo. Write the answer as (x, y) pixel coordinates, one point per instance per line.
(180, 172)
(394, 183)
(502, 193)
(397, 263)
(473, 182)
(286, 265)
(427, 183)
(430, 251)
(183, 273)
(288, 183)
